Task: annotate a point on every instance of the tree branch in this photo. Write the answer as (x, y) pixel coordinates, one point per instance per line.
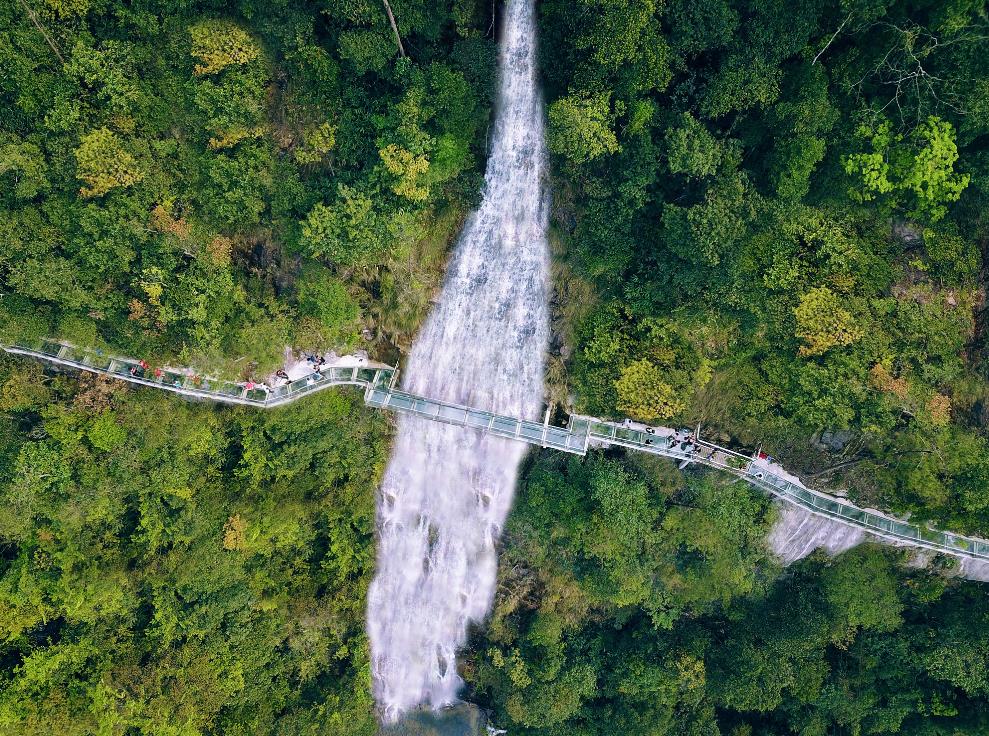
(394, 27)
(843, 23)
(34, 19)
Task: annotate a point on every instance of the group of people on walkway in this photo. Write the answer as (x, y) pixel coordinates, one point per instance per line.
(157, 374)
(144, 371)
(687, 443)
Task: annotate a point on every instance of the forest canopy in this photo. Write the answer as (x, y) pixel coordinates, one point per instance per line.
(768, 219)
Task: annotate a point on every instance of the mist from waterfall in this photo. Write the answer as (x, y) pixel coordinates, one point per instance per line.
(447, 490)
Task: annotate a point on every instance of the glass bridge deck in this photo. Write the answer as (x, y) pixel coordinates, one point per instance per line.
(190, 384)
(568, 439)
(378, 383)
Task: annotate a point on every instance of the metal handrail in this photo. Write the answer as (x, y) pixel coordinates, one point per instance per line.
(384, 394)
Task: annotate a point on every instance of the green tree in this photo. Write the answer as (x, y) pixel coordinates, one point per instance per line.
(325, 298)
(822, 323)
(23, 165)
(104, 164)
(219, 44)
(921, 165)
(580, 128)
(691, 149)
(643, 394)
(349, 231)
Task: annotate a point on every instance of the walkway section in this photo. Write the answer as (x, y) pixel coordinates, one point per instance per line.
(763, 473)
(378, 381)
(348, 371)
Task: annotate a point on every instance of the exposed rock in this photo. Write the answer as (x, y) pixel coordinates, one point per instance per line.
(835, 441)
(907, 232)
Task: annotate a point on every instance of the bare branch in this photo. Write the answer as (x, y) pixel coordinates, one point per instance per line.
(34, 19)
(394, 27)
(843, 23)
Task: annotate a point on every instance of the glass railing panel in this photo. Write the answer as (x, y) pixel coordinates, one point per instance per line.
(909, 530)
(531, 431)
(854, 514)
(902, 529)
(576, 443)
(257, 394)
(49, 348)
(880, 523)
(801, 493)
(366, 374)
(453, 414)
(956, 543)
(377, 397)
(424, 406)
(504, 425)
(402, 401)
(579, 426)
(557, 436)
(478, 419)
(599, 429)
(556, 442)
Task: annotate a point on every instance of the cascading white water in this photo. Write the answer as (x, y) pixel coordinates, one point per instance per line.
(798, 532)
(447, 490)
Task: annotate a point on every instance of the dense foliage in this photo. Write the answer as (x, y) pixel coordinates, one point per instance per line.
(176, 569)
(635, 600)
(166, 170)
(768, 217)
(781, 208)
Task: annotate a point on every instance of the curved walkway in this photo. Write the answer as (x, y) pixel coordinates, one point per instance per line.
(379, 380)
(347, 371)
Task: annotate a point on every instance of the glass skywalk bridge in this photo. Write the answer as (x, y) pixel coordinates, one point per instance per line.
(762, 475)
(193, 385)
(378, 382)
(568, 439)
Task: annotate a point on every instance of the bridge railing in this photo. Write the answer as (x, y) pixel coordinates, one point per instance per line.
(871, 521)
(524, 430)
(194, 385)
(762, 476)
(379, 391)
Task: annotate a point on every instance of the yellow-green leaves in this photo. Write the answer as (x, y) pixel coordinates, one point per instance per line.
(920, 165)
(409, 171)
(219, 44)
(580, 127)
(103, 163)
(318, 141)
(822, 323)
(643, 394)
(932, 177)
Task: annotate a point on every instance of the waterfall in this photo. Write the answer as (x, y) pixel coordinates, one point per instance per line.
(447, 490)
(798, 532)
